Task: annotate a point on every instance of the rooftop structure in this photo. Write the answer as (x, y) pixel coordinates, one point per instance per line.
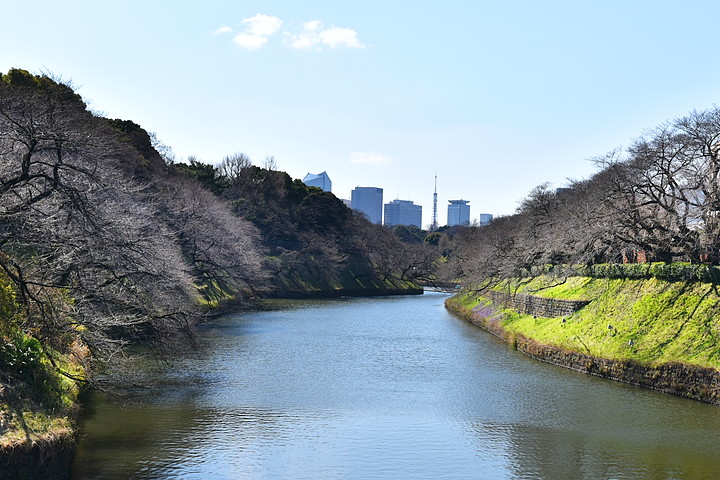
(320, 180)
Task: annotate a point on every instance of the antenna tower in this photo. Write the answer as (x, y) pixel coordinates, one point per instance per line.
(434, 225)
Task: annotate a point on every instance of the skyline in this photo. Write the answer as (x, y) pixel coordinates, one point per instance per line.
(495, 98)
(451, 202)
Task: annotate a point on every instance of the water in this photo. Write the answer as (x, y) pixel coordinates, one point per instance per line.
(388, 388)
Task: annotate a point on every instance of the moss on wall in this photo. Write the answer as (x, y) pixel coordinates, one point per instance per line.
(641, 326)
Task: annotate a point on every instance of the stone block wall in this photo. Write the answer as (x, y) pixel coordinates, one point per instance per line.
(538, 306)
(690, 381)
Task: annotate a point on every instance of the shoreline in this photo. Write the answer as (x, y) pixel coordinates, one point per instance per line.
(683, 380)
(49, 457)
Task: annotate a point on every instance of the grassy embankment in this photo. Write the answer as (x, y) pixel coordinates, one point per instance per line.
(653, 321)
(38, 405)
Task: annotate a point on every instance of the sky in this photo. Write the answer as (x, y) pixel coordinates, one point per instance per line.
(495, 98)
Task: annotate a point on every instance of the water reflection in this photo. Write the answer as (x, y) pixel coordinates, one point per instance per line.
(388, 388)
(544, 453)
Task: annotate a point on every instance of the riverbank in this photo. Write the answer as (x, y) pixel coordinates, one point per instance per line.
(356, 280)
(39, 407)
(647, 332)
(38, 415)
(48, 458)
(40, 383)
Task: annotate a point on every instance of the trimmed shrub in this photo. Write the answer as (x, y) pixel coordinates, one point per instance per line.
(671, 272)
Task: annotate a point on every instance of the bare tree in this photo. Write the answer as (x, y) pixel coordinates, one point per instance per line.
(83, 244)
(232, 166)
(269, 163)
(660, 196)
(393, 259)
(165, 151)
(222, 248)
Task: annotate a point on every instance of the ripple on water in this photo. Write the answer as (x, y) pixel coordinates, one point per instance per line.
(386, 389)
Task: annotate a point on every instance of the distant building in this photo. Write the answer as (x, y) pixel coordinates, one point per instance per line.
(368, 200)
(320, 180)
(347, 202)
(458, 212)
(403, 212)
(485, 218)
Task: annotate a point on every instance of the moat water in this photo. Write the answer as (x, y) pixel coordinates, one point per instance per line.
(386, 388)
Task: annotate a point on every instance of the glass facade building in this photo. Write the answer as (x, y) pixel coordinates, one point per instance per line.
(368, 200)
(403, 212)
(485, 218)
(458, 212)
(320, 180)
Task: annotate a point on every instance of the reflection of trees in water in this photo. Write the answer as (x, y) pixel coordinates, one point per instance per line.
(176, 435)
(335, 386)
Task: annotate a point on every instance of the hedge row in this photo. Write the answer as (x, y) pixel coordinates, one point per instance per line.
(672, 272)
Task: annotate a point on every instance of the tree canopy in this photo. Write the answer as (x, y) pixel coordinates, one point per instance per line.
(106, 241)
(656, 200)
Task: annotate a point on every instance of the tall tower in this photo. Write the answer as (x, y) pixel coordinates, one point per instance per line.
(434, 224)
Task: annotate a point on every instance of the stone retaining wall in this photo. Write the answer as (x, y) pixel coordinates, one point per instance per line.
(697, 383)
(538, 306)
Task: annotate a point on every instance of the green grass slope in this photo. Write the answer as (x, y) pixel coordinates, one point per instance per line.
(38, 405)
(649, 321)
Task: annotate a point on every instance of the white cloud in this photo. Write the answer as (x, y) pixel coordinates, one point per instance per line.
(336, 36)
(250, 42)
(311, 34)
(311, 26)
(301, 42)
(256, 31)
(370, 158)
(223, 29)
(262, 25)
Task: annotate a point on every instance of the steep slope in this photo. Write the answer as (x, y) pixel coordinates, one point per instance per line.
(650, 332)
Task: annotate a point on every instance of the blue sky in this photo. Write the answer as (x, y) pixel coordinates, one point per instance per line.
(496, 97)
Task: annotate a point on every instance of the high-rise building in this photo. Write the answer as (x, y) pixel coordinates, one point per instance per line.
(485, 218)
(320, 180)
(368, 200)
(458, 212)
(403, 212)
